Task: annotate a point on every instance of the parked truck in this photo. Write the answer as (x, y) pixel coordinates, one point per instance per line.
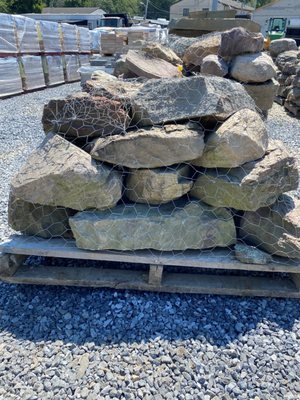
(120, 20)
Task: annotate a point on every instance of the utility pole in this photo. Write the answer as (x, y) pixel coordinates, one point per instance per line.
(146, 9)
(214, 6)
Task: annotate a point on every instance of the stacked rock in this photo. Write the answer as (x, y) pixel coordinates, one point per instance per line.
(164, 164)
(287, 59)
(236, 54)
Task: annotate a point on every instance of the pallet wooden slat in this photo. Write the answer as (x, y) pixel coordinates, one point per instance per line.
(19, 247)
(138, 280)
(216, 259)
(155, 274)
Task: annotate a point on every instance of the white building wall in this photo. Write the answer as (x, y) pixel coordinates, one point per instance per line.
(177, 9)
(282, 8)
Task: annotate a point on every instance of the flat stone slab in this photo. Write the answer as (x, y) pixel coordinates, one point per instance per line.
(152, 147)
(165, 53)
(191, 225)
(145, 65)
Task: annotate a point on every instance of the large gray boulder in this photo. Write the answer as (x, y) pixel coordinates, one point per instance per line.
(257, 67)
(206, 45)
(38, 220)
(281, 45)
(83, 115)
(58, 173)
(180, 226)
(214, 65)
(253, 185)
(275, 229)
(158, 185)
(240, 41)
(151, 147)
(145, 65)
(263, 93)
(241, 138)
(166, 100)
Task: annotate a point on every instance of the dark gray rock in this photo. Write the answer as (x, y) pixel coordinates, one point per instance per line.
(166, 100)
(275, 229)
(251, 254)
(38, 220)
(83, 115)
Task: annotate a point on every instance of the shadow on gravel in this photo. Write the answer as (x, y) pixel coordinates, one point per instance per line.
(102, 316)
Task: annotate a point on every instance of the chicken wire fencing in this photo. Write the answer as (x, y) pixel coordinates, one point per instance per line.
(170, 164)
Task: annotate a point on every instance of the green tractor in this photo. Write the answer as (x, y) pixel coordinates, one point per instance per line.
(276, 28)
(279, 28)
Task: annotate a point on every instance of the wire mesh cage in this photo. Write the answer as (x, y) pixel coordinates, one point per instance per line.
(168, 163)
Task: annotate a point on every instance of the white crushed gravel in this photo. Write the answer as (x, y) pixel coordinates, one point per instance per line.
(70, 343)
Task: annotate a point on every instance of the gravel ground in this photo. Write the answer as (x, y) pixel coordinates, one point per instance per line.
(71, 343)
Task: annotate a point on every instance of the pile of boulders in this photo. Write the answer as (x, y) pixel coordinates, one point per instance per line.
(287, 59)
(235, 54)
(164, 164)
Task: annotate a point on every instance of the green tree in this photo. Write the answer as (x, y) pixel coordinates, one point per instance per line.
(130, 7)
(74, 3)
(261, 3)
(158, 8)
(25, 6)
(4, 8)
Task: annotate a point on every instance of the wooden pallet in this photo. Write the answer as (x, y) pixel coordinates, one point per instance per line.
(17, 248)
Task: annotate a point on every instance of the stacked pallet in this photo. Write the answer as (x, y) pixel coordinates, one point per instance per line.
(112, 42)
(35, 54)
(11, 81)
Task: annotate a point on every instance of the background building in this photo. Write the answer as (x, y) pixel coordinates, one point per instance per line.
(84, 16)
(279, 8)
(184, 7)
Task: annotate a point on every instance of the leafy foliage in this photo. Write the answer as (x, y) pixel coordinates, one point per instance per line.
(261, 3)
(156, 8)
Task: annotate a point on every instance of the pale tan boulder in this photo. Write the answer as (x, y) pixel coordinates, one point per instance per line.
(241, 138)
(58, 173)
(158, 185)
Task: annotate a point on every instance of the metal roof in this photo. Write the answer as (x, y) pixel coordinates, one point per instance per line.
(72, 10)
